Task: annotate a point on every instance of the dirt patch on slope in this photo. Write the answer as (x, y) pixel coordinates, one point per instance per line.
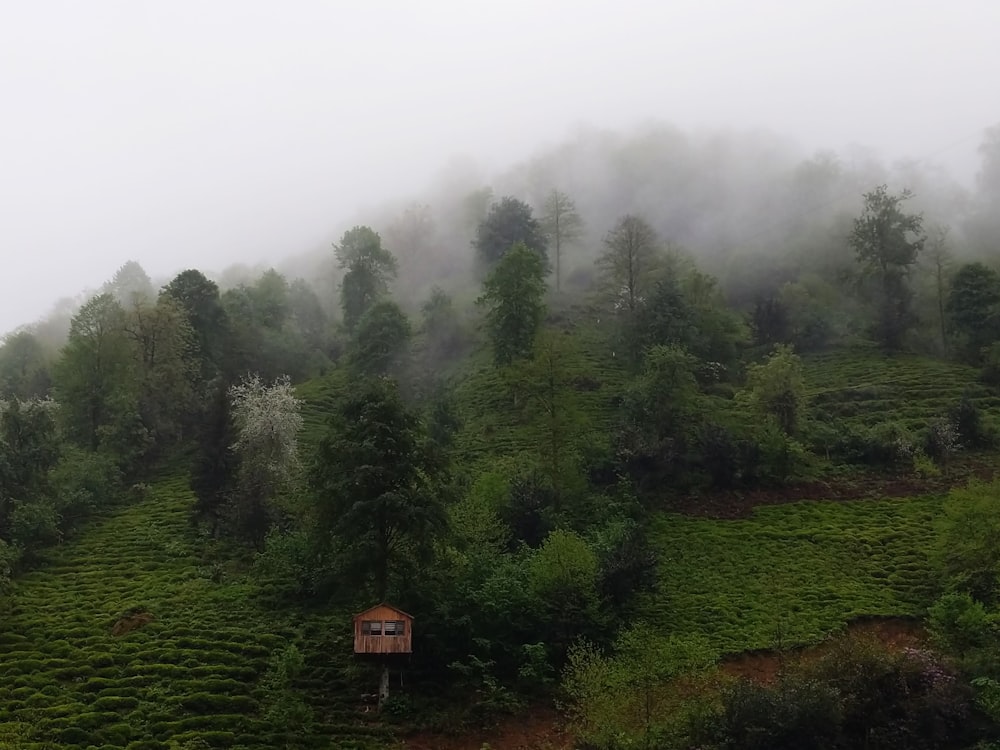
(540, 728)
(763, 667)
(864, 485)
(131, 620)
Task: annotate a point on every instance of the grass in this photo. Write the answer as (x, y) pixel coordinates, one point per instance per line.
(492, 427)
(188, 678)
(864, 388)
(795, 572)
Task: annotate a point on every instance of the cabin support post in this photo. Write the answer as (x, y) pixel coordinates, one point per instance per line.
(383, 686)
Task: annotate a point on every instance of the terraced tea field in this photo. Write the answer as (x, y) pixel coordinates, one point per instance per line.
(592, 379)
(798, 571)
(187, 678)
(866, 388)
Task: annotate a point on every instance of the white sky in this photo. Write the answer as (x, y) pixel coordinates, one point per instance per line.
(198, 134)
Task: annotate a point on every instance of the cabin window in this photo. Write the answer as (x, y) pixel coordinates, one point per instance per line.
(395, 627)
(371, 627)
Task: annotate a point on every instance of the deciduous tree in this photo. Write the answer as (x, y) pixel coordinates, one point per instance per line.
(369, 266)
(95, 378)
(24, 369)
(199, 298)
(973, 307)
(629, 258)
(777, 388)
(267, 419)
(886, 241)
(509, 222)
(130, 284)
(562, 226)
(513, 297)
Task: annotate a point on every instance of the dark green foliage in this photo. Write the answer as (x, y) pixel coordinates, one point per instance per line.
(777, 389)
(444, 336)
(513, 297)
(199, 298)
(24, 367)
(528, 511)
(664, 319)
(285, 708)
(29, 503)
(85, 482)
(973, 310)
(658, 417)
(215, 465)
(307, 316)
(888, 445)
(744, 457)
(886, 242)
(627, 566)
(376, 486)
(261, 337)
(857, 695)
(769, 322)
(690, 316)
(509, 222)
(968, 557)
(162, 342)
(968, 420)
(961, 624)
(94, 382)
(369, 268)
(800, 713)
(380, 340)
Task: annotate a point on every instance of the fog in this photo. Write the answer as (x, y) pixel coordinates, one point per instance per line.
(202, 135)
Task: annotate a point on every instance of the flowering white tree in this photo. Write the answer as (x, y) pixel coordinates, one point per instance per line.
(267, 420)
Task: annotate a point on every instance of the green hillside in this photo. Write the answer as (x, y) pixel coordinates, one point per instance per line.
(791, 573)
(865, 388)
(190, 677)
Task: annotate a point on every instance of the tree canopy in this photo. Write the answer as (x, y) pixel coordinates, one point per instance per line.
(509, 222)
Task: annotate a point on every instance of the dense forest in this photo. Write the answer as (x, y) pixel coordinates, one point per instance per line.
(674, 440)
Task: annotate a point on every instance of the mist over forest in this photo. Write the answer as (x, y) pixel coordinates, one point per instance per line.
(748, 207)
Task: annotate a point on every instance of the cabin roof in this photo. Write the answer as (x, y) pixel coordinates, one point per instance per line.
(384, 604)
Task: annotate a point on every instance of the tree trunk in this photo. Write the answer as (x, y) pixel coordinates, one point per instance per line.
(940, 291)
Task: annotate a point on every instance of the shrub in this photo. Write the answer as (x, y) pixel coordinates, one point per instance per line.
(9, 557)
(942, 440)
(892, 700)
(959, 623)
(887, 445)
(284, 707)
(84, 482)
(858, 694)
(289, 564)
(966, 553)
(990, 373)
(797, 714)
(968, 421)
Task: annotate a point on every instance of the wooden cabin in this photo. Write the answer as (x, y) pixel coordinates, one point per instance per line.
(383, 629)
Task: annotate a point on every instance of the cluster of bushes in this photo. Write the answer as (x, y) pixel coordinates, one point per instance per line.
(857, 695)
(894, 447)
(46, 486)
(665, 693)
